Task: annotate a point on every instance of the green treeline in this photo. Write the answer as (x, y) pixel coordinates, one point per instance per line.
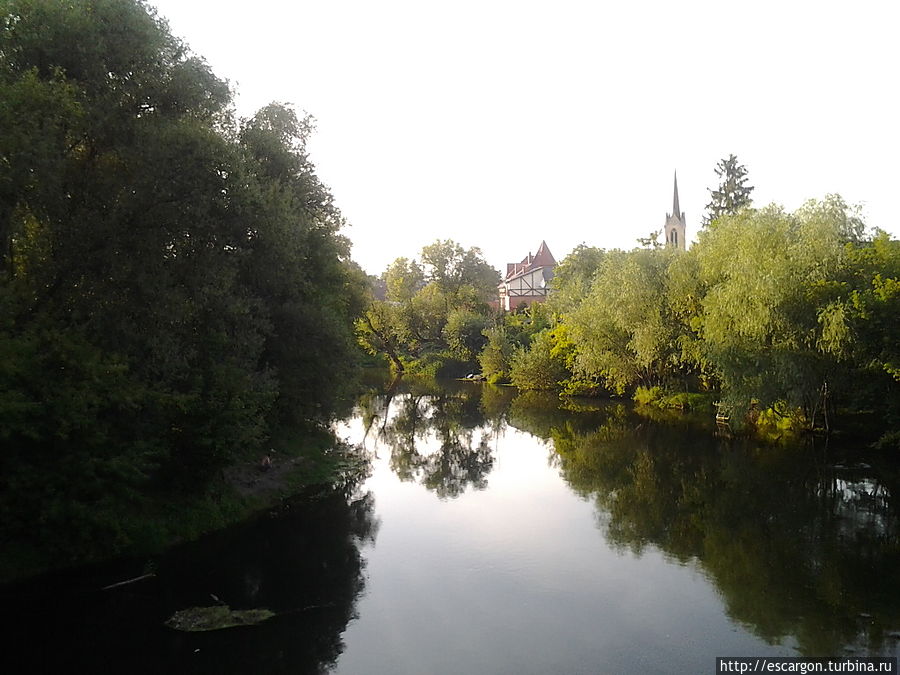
(786, 315)
(435, 313)
(439, 317)
(174, 285)
(787, 318)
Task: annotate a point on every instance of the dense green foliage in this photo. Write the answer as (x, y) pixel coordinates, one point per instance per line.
(496, 357)
(537, 366)
(634, 339)
(436, 312)
(573, 277)
(769, 319)
(784, 315)
(174, 283)
(785, 318)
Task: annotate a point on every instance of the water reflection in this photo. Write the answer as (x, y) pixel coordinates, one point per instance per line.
(801, 544)
(802, 548)
(797, 546)
(440, 440)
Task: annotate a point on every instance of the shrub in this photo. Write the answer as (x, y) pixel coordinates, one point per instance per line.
(535, 367)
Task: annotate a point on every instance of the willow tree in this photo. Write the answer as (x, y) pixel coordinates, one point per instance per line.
(381, 330)
(768, 316)
(572, 278)
(403, 278)
(624, 331)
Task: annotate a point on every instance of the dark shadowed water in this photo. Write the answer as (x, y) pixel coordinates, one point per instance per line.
(504, 534)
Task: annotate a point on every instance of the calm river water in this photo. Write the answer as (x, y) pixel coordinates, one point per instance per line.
(499, 533)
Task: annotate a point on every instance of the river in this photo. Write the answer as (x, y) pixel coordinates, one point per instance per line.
(497, 533)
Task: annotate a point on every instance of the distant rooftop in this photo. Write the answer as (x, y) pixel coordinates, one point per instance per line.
(542, 258)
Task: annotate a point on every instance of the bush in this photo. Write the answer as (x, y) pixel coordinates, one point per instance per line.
(536, 367)
(648, 395)
(496, 356)
(439, 364)
(465, 333)
(682, 400)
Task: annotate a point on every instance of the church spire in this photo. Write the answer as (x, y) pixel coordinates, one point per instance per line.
(675, 230)
(675, 206)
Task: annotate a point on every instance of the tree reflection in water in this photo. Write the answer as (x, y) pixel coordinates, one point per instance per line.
(438, 439)
(798, 545)
(803, 548)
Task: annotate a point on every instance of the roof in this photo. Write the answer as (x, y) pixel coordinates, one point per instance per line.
(543, 258)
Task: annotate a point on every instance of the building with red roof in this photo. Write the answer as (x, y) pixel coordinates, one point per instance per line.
(528, 281)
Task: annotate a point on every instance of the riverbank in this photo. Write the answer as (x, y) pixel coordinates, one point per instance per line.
(673, 537)
(155, 523)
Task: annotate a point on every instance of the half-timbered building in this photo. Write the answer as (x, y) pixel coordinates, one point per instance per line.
(528, 281)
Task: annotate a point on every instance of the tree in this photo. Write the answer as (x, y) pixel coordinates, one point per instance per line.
(769, 323)
(440, 308)
(426, 316)
(875, 303)
(733, 193)
(464, 333)
(298, 265)
(860, 329)
(651, 241)
(624, 330)
(381, 330)
(572, 278)
(403, 279)
(175, 283)
(453, 269)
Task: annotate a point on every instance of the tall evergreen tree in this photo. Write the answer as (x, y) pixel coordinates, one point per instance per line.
(733, 193)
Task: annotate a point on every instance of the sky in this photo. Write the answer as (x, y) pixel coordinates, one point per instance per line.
(502, 124)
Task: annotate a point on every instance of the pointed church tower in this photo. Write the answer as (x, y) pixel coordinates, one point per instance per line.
(674, 230)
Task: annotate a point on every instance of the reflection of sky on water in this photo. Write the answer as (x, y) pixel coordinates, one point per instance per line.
(517, 578)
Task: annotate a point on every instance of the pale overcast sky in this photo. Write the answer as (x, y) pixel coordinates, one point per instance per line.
(499, 124)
